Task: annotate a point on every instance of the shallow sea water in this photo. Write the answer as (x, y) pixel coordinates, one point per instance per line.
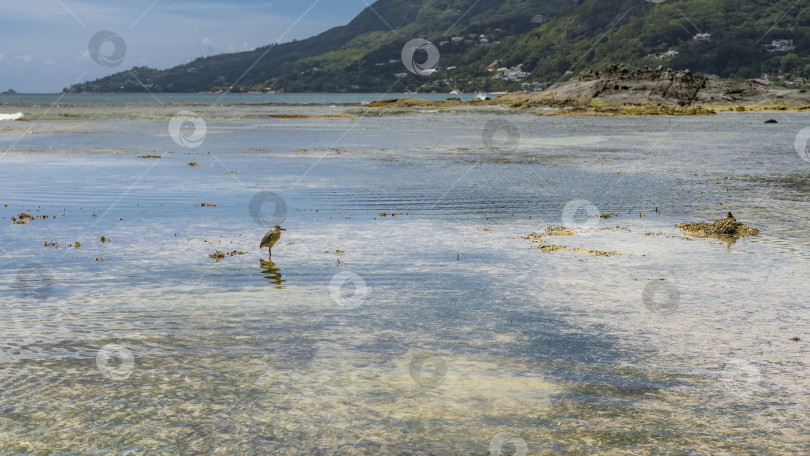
(435, 329)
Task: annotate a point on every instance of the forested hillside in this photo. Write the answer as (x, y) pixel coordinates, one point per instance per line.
(505, 45)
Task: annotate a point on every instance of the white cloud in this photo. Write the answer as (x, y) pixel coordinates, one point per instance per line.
(27, 58)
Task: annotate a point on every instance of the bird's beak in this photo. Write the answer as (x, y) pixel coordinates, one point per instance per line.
(283, 229)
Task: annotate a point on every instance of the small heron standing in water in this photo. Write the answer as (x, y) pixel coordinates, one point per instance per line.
(270, 238)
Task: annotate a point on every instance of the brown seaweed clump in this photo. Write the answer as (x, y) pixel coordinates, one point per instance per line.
(537, 240)
(728, 230)
(550, 231)
(559, 231)
(547, 248)
(219, 254)
(24, 217)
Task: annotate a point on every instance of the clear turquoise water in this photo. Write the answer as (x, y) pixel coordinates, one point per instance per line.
(449, 330)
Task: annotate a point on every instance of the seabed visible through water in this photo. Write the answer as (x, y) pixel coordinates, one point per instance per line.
(407, 309)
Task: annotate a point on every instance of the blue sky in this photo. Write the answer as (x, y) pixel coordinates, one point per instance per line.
(44, 43)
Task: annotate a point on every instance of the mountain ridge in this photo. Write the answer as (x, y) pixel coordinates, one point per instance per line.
(491, 45)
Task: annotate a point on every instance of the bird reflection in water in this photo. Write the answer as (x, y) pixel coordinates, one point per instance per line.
(272, 272)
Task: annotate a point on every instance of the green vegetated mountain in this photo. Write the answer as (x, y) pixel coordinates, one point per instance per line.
(504, 45)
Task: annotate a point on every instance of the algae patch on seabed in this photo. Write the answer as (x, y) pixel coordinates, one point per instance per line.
(728, 230)
(561, 231)
(219, 254)
(556, 248)
(551, 231)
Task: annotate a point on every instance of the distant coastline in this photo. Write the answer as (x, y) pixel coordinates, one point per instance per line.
(612, 91)
(617, 90)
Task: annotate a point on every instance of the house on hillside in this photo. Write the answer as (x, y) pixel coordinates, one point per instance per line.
(539, 19)
(515, 73)
(702, 37)
(762, 79)
(667, 55)
(779, 46)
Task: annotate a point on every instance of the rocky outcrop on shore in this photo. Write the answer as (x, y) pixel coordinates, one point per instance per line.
(618, 91)
(617, 85)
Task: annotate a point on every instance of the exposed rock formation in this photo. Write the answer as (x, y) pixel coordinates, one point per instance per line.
(618, 85)
(617, 90)
(728, 230)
